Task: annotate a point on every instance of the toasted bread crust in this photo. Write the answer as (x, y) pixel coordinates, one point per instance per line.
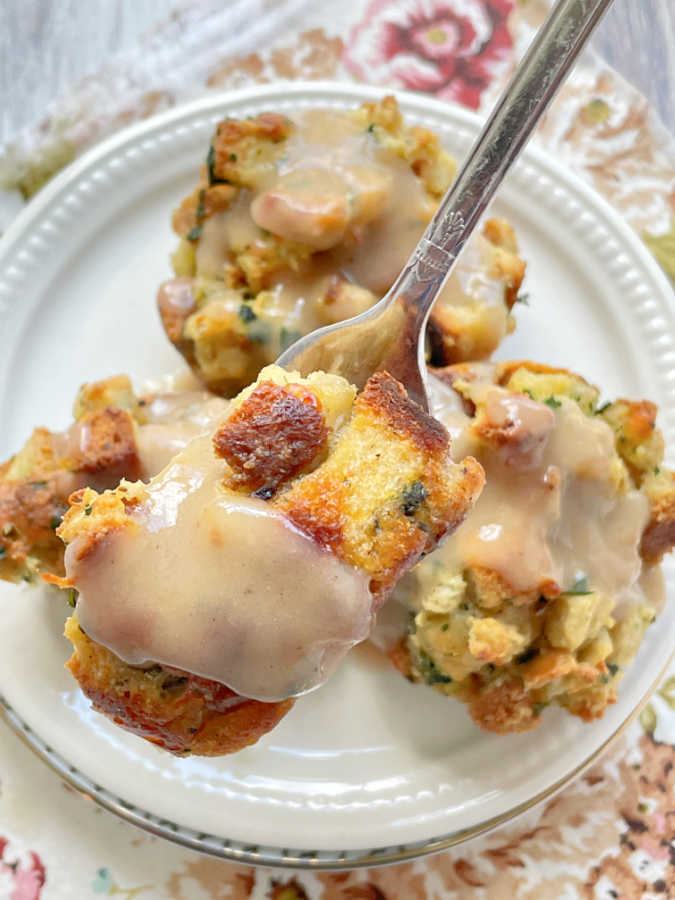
(175, 710)
(272, 436)
(108, 446)
(387, 494)
(35, 486)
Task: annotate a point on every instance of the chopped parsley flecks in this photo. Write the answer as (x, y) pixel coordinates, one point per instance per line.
(429, 671)
(246, 314)
(552, 402)
(194, 233)
(413, 497)
(199, 213)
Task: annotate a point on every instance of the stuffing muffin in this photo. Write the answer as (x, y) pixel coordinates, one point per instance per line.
(238, 577)
(300, 224)
(544, 593)
(116, 434)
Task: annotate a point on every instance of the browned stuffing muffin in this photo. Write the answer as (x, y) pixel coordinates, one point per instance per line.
(304, 223)
(544, 593)
(256, 558)
(116, 434)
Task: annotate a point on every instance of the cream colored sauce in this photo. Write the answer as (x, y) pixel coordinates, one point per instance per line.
(548, 510)
(339, 191)
(220, 585)
(173, 420)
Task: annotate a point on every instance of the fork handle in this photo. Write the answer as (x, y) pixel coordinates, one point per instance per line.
(542, 70)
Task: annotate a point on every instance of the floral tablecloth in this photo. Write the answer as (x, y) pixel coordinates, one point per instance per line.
(611, 833)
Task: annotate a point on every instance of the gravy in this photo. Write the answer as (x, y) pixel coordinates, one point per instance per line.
(220, 585)
(358, 205)
(549, 512)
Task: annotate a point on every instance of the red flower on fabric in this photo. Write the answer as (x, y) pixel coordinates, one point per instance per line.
(26, 881)
(450, 48)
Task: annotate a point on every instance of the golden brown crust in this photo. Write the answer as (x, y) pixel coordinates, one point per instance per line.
(107, 446)
(235, 137)
(388, 398)
(504, 370)
(175, 307)
(272, 436)
(100, 449)
(638, 441)
(387, 493)
(503, 708)
(659, 535)
(175, 710)
(30, 513)
(507, 265)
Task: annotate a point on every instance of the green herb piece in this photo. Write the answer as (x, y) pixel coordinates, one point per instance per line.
(579, 588)
(233, 157)
(413, 497)
(199, 213)
(210, 163)
(27, 577)
(524, 299)
(657, 471)
(246, 314)
(552, 402)
(72, 598)
(538, 707)
(260, 332)
(613, 668)
(429, 671)
(36, 485)
(371, 128)
(54, 522)
(529, 393)
(445, 626)
(87, 510)
(288, 336)
(602, 408)
(194, 233)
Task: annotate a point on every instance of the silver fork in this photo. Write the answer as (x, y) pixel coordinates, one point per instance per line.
(390, 335)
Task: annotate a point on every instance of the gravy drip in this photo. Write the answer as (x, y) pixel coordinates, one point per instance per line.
(358, 205)
(549, 510)
(219, 585)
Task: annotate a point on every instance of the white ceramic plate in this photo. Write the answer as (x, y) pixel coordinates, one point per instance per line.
(370, 767)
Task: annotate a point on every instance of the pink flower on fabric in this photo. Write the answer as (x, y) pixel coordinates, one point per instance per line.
(450, 48)
(26, 881)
